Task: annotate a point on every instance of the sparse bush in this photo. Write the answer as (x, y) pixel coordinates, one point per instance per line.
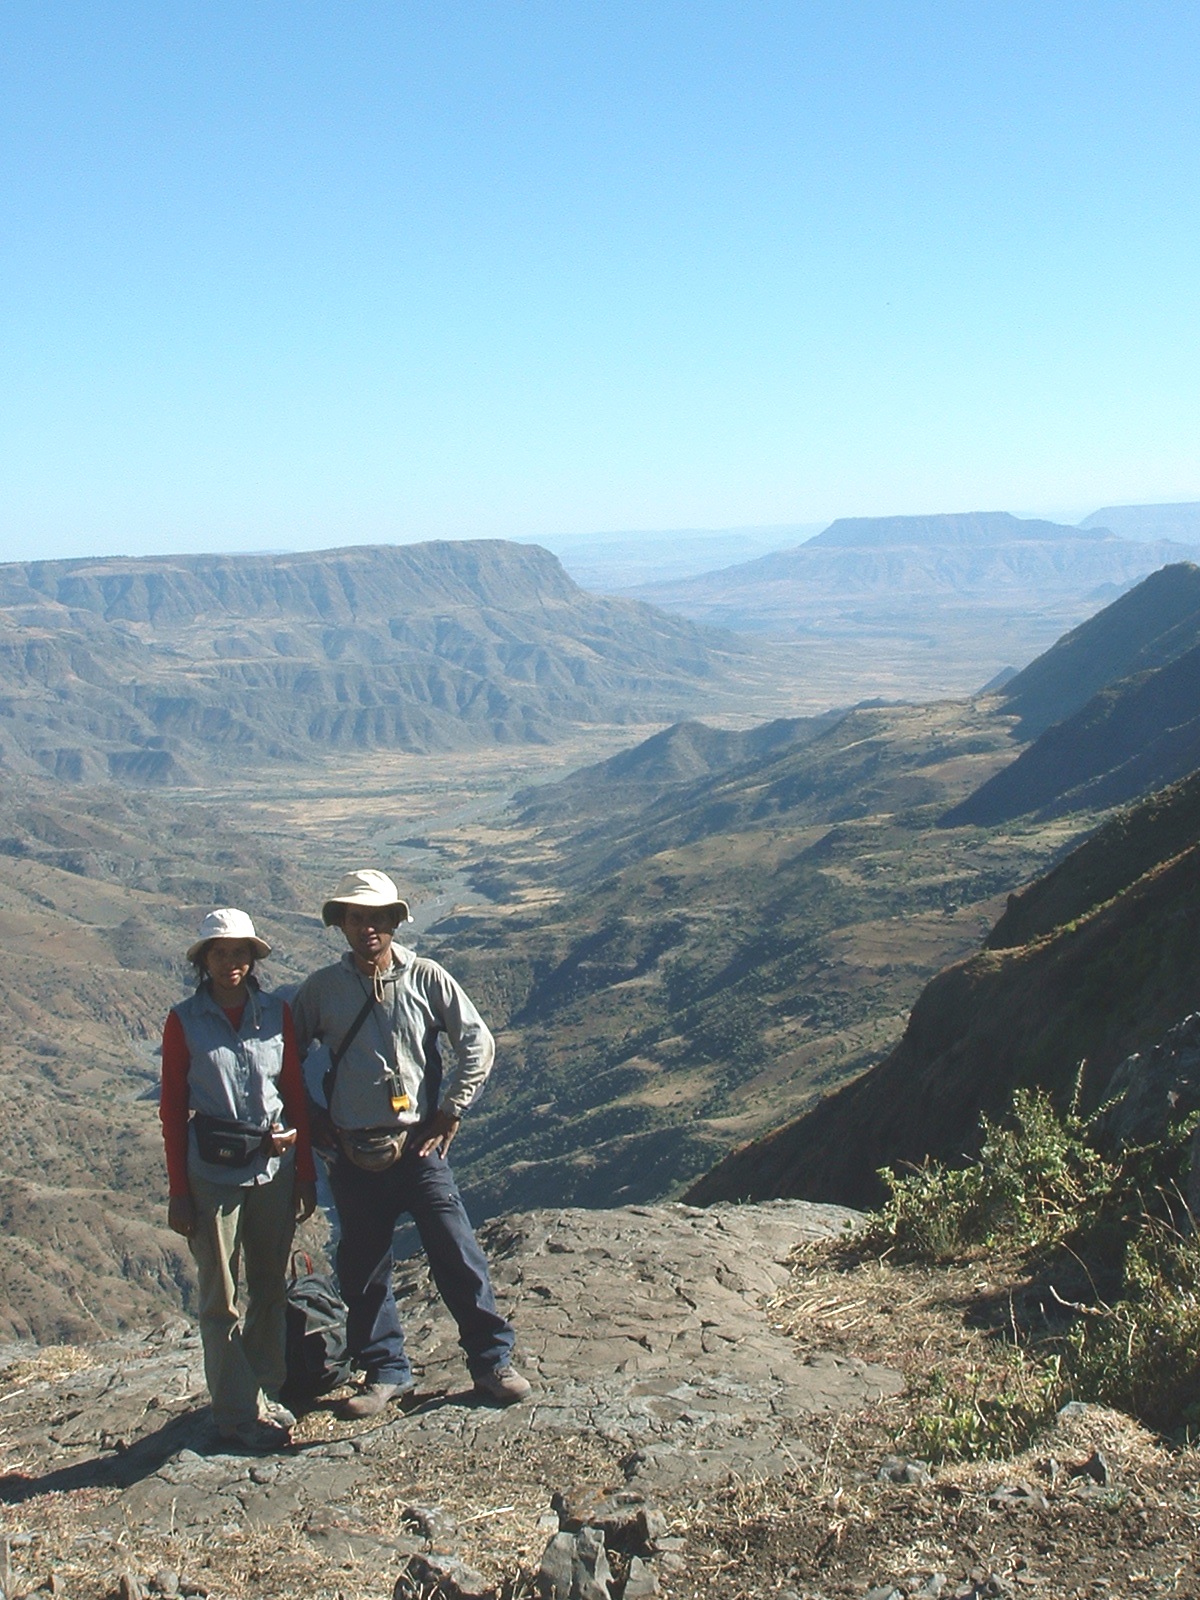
(987, 1413)
(1142, 1355)
(1040, 1187)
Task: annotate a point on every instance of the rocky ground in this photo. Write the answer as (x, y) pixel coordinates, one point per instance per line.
(713, 1413)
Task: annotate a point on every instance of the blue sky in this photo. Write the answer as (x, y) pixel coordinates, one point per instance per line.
(294, 275)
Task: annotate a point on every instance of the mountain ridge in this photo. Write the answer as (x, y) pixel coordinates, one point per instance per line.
(983, 591)
(1176, 520)
(1138, 731)
(154, 669)
(1134, 736)
(684, 944)
(343, 584)
(1150, 625)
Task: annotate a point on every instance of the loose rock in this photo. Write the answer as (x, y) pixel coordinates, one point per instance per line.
(451, 1579)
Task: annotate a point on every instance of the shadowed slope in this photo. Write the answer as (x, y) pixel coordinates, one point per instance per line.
(1151, 625)
(1105, 983)
(1135, 736)
(1128, 845)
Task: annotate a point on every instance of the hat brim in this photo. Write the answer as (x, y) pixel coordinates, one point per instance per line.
(330, 918)
(261, 947)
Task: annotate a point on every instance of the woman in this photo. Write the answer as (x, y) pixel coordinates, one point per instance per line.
(239, 1168)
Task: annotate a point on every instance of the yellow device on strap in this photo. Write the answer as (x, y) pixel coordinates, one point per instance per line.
(399, 1100)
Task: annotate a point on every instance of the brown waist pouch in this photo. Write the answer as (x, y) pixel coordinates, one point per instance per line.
(373, 1149)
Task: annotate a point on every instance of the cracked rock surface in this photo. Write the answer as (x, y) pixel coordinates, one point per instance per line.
(644, 1330)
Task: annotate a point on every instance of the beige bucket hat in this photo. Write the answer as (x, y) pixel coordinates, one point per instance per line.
(366, 887)
(228, 923)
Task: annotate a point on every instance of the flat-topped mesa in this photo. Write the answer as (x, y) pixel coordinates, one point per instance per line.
(1176, 520)
(979, 528)
(360, 583)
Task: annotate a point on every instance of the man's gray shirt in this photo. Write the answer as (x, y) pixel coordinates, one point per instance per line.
(399, 1036)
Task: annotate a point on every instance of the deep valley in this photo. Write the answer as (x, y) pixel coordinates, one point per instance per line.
(685, 936)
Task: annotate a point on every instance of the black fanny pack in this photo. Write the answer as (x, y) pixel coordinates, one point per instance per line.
(228, 1144)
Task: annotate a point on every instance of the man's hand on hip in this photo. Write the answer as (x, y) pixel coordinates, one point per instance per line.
(438, 1133)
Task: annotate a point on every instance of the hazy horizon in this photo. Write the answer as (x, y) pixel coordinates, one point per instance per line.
(759, 538)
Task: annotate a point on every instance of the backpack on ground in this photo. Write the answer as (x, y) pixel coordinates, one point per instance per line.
(317, 1359)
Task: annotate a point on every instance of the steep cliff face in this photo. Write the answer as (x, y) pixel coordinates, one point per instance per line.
(152, 671)
(1110, 979)
(362, 583)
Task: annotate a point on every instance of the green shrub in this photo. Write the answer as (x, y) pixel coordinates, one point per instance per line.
(1033, 1178)
(1142, 1354)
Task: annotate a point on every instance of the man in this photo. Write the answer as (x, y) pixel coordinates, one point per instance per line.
(378, 1012)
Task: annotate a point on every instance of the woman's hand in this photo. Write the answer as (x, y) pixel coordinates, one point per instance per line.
(304, 1195)
(181, 1215)
(281, 1138)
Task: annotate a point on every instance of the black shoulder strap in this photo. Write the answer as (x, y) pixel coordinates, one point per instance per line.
(335, 1056)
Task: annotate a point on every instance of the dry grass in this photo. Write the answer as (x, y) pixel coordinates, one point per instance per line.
(832, 1529)
(826, 1530)
(49, 1364)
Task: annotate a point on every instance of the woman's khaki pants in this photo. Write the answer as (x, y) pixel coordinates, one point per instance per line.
(248, 1227)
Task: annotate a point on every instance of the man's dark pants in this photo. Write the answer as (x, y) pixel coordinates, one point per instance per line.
(369, 1204)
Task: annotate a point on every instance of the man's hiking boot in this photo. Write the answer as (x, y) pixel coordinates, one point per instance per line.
(373, 1399)
(257, 1438)
(503, 1386)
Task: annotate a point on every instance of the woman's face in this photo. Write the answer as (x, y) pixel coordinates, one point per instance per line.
(228, 962)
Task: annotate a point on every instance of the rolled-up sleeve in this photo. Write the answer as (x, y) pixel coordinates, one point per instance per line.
(295, 1103)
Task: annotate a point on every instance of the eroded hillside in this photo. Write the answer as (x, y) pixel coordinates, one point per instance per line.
(680, 947)
(166, 670)
(661, 986)
(100, 894)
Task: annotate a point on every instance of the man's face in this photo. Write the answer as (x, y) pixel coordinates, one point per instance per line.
(368, 931)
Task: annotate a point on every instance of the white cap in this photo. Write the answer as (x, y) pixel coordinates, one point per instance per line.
(228, 923)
